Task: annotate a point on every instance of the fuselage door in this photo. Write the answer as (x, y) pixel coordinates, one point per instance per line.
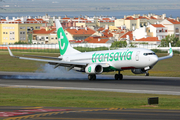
(137, 55)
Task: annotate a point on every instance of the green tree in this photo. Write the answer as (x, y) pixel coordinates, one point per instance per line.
(170, 39)
(20, 42)
(30, 38)
(118, 44)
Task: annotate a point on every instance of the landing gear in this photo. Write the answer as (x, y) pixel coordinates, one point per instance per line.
(147, 73)
(118, 76)
(92, 76)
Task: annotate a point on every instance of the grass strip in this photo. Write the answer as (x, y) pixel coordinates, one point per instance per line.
(87, 99)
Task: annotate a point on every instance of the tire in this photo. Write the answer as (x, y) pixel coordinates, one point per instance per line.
(92, 77)
(116, 76)
(120, 77)
(147, 74)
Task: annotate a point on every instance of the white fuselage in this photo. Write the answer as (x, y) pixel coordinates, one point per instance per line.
(120, 59)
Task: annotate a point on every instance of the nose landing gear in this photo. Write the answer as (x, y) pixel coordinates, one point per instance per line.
(147, 73)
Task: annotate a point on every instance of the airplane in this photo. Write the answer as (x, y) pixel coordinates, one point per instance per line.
(138, 60)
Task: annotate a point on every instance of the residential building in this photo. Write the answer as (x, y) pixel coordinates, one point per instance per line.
(136, 21)
(91, 22)
(173, 26)
(147, 40)
(139, 33)
(157, 30)
(98, 39)
(45, 36)
(78, 34)
(105, 21)
(18, 29)
(126, 36)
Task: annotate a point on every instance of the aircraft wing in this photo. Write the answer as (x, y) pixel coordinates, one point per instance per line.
(55, 58)
(170, 54)
(56, 61)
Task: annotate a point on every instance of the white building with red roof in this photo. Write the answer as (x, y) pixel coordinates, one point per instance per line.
(173, 26)
(98, 39)
(157, 30)
(45, 36)
(149, 40)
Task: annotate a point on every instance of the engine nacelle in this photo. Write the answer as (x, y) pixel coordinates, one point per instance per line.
(138, 71)
(94, 69)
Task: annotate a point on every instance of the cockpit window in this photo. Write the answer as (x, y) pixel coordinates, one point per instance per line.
(146, 54)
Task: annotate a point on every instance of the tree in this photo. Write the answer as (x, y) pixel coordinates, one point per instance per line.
(118, 44)
(170, 39)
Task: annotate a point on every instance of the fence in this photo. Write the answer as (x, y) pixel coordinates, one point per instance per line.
(54, 48)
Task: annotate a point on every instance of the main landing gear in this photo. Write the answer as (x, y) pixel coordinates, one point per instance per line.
(92, 76)
(118, 76)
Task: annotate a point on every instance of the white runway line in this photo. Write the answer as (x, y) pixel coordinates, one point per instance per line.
(95, 89)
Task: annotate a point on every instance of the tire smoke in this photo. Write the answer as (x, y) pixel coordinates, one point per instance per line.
(49, 72)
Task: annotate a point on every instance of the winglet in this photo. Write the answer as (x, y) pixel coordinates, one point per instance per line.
(170, 51)
(11, 54)
(10, 51)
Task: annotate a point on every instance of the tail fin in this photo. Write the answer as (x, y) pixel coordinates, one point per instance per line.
(64, 45)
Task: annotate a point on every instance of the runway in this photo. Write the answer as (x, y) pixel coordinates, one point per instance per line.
(130, 84)
(55, 113)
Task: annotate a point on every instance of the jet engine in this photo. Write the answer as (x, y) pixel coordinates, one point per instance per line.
(94, 69)
(138, 71)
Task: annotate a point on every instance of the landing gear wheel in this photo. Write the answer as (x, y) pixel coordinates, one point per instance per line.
(147, 74)
(118, 76)
(92, 77)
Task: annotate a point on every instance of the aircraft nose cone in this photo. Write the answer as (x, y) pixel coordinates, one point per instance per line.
(154, 59)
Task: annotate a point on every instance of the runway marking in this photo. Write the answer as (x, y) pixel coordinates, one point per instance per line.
(95, 89)
(32, 108)
(43, 110)
(55, 113)
(75, 119)
(10, 114)
(149, 110)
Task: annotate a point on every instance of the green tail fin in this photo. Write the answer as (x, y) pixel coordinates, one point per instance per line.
(64, 45)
